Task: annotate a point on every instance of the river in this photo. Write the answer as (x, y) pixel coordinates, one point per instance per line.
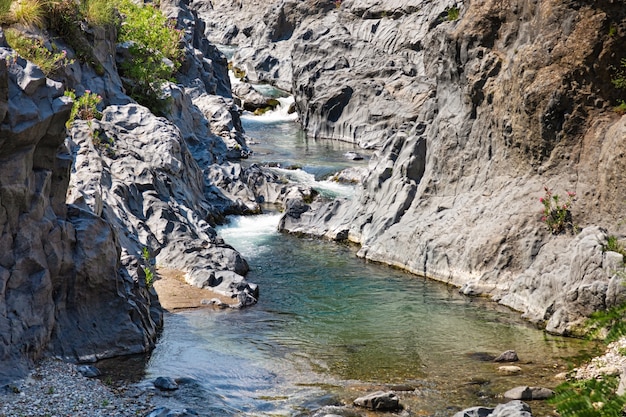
(330, 327)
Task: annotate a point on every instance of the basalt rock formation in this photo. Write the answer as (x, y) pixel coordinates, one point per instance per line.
(87, 212)
(64, 288)
(474, 107)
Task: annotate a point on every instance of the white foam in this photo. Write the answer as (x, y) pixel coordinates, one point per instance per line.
(331, 189)
(279, 114)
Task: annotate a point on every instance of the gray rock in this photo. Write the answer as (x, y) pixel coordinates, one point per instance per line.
(512, 409)
(507, 356)
(379, 401)
(475, 412)
(89, 371)
(528, 393)
(165, 384)
(66, 281)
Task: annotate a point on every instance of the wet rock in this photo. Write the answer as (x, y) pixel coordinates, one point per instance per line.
(88, 371)
(353, 156)
(509, 370)
(475, 412)
(510, 409)
(508, 356)
(165, 383)
(528, 393)
(379, 401)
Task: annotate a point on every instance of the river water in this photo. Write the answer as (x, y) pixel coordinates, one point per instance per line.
(330, 327)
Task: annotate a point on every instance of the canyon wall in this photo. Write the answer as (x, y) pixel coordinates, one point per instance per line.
(474, 107)
(88, 212)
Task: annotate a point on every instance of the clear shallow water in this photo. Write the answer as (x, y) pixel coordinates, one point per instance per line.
(330, 327)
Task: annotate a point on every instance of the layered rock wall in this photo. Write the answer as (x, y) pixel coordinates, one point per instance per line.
(63, 287)
(472, 117)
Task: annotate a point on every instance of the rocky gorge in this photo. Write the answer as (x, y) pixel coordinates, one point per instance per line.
(472, 108)
(87, 217)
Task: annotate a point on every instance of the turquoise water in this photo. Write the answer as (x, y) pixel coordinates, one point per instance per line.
(329, 327)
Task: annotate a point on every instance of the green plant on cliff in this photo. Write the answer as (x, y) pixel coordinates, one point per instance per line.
(453, 13)
(156, 53)
(25, 12)
(619, 81)
(35, 51)
(85, 107)
(147, 268)
(556, 213)
(612, 244)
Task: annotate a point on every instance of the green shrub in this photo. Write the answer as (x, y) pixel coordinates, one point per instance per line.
(556, 214)
(453, 13)
(85, 107)
(609, 322)
(620, 75)
(35, 51)
(100, 12)
(5, 8)
(155, 49)
(27, 12)
(589, 398)
(147, 269)
(613, 245)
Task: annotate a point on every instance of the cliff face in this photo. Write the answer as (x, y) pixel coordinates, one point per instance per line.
(82, 208)
(472, 117)
(63, 286)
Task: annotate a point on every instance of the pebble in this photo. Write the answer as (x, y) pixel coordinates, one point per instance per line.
(56, 388)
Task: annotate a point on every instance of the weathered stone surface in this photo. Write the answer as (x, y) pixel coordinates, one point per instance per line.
(379, 401)
(66, 291)
(528, 393)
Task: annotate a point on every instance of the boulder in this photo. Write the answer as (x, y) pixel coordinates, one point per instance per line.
(475, 412)
(508, 356)
(88, 371)
(528, 393)
(165, 384)
(379, 401)
(510, 409)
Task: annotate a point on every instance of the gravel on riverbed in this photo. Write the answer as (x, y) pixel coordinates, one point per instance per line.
(56, 389)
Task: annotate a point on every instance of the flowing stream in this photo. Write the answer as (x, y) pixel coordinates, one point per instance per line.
(330, 327)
